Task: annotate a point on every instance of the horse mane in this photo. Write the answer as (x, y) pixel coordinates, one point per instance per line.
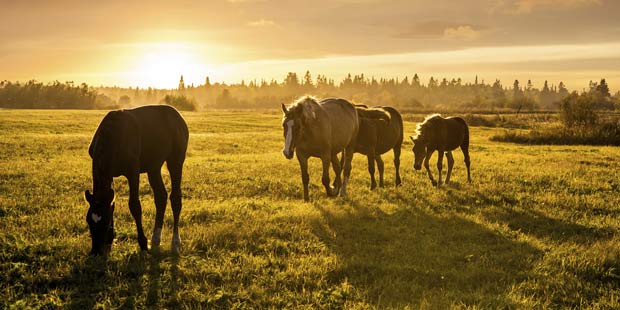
(374, 113)
(306, 105)
(428, 123)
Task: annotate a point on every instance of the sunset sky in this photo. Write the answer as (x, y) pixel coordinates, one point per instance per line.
(152, 43)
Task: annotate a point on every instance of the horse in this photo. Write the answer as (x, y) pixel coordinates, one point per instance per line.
(440, 134)
(321, 129)
(381, 129)
(128, 143)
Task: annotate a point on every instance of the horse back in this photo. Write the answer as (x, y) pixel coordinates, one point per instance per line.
(143, 137)
(163, 133)
(457, 133)
(343, 121)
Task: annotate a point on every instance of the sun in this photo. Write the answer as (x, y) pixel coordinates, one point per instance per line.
(160, 65)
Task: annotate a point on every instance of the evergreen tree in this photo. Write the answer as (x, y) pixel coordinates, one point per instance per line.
(603, 89)
(415, 81)
(308, 80)
(181, 84)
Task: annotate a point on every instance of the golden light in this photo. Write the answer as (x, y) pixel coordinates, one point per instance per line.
(160, 65)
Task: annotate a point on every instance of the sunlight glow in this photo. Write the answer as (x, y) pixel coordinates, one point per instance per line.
(161, 64)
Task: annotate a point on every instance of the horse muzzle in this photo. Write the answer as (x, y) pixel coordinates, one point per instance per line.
(289, 154)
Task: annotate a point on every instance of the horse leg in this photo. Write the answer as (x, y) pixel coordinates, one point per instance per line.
(348, 155)
(428, 168)
(381, 167)
(371, 169)
(467, 162)
(175, 167)
(450, 165)
(326, 160)
(397, 181)
(159, 191)
(305, 178)
(439, 165)
(136, 208)
(337, 170)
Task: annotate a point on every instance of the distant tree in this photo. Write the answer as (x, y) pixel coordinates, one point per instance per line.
(124, 101)
(180, 102)
(603, 89)
(415, 81)
(562, 91)
(307, 80)
(578, 111)
(207, 82)
(291, 80)
(181, 84)
(498, 93)
(432, 83)
(516, 91)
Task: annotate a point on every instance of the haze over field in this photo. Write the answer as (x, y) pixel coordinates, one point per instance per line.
(152, 44)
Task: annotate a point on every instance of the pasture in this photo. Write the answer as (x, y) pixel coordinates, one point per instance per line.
(537, 228)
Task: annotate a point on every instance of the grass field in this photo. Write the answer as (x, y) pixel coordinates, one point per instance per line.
(538, 228)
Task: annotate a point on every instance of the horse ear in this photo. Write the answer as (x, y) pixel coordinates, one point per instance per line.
(283, 108)
(88, 196)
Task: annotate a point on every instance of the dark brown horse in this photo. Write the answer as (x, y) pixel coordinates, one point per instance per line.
(321, 129)
(381, 130)
(440, 134)
(127, 143)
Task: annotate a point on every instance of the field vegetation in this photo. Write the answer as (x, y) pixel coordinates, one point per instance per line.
(537, 228)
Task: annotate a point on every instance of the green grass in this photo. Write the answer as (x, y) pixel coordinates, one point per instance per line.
(538, 228)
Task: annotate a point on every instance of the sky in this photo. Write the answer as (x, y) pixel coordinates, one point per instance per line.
(153, 43)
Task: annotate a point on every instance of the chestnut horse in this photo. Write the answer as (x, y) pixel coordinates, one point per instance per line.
(440, 134)
(321, 129)
(127, 143)
(381, 130)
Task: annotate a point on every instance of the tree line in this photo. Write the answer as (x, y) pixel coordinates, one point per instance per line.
(407, 93)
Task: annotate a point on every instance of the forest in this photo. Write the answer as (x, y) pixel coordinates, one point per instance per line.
(409, 94)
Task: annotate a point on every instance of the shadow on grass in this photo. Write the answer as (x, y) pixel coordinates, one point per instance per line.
(536, 223)
(409, 257)
(92, 278)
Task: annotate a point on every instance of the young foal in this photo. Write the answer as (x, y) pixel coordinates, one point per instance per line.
(127, 143)
(381, 129)
(321, 129)
(440, 134)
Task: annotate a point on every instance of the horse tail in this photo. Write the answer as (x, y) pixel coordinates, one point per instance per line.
(373, 113)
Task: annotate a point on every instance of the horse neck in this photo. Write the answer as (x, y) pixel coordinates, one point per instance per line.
(102, 179)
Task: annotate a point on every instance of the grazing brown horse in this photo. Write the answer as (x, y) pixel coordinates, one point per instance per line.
(440, 134)
(381, 129)
(127, 143)
(321, 129)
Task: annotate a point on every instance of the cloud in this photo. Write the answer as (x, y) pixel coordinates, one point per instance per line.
(528, 6)
(261, 23)
(442, 29)
(466, 33)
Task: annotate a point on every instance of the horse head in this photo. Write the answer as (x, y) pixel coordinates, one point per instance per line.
(419, 151)
(100, 222)
(295, 119)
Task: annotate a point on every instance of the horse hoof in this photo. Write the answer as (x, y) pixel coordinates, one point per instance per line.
(434, 183)
(176, 248)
